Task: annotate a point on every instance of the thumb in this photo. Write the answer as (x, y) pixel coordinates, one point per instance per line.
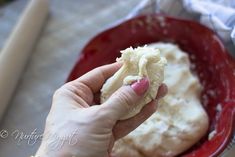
(125, 98)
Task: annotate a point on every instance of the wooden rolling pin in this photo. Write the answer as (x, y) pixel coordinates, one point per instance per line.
(18, 48)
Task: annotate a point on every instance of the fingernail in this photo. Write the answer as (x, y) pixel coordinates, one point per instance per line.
(141, 86)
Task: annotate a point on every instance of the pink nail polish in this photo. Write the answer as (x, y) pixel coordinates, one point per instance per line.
(141, 86)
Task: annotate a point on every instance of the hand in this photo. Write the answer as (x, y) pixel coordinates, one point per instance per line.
(75, 127)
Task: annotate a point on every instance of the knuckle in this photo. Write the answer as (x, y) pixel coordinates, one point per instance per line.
(102, 114)
(57, 93)
(60, 91)
(126, 98)
(81, 90)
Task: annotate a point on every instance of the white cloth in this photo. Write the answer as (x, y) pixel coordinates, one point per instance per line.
(219, 15)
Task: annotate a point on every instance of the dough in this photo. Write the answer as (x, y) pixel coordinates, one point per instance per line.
(137, 63)
(180, 120)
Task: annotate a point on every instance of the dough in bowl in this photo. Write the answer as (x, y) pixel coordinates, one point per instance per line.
(137, 63)
(180, 120)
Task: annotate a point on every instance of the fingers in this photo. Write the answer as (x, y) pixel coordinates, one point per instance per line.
(125, 98)
(162, 91)
(124, 127)
(88, 84)
(79, 95)
(96, 78)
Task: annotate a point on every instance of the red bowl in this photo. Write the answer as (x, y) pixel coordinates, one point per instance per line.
(213, 65)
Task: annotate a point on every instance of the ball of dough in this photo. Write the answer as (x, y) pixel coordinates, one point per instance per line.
(137, 63)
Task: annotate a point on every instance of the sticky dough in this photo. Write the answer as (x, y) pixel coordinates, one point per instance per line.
(137, 63)
(180, 120)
